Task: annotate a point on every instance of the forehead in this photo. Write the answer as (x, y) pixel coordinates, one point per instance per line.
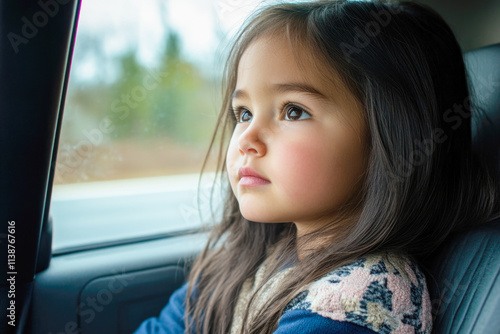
(279, 59)
(274, 60)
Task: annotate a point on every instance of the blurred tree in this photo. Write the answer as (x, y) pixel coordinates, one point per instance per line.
(170, 101)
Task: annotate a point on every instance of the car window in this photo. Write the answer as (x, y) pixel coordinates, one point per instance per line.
(140, 108)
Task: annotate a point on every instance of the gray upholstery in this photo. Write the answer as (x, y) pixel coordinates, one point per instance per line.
(465, 272)
(484, 72)
(467, 296)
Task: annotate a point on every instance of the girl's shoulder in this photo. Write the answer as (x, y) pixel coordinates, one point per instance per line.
(386, 293)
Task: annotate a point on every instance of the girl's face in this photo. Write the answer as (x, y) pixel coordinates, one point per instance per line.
(298, 151)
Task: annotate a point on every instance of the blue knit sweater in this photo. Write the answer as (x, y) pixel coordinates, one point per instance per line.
(375, 294)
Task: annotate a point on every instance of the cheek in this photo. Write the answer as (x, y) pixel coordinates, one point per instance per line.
(318, 175)
(299, 164)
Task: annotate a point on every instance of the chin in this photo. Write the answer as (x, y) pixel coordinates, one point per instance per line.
(254, 218)
(260, 218)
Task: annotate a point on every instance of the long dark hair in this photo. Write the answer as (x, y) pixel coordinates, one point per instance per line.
(405, 67)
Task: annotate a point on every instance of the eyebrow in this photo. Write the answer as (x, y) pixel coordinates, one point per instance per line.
(285, 88)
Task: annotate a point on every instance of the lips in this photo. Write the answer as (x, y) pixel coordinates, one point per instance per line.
(250, 178)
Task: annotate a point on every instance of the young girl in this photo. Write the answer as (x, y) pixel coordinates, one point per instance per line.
(350, 161)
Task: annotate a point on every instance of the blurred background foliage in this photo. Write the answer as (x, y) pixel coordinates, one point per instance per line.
(177, 108)
(144, 121)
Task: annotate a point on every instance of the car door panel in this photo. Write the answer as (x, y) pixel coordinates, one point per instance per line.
(112, 289)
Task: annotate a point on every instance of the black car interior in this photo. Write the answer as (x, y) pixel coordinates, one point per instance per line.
(112, 289)
(35, 55)
(466, 269)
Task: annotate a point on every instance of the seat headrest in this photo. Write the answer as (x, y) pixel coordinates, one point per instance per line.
(463, 277)
(483, 68)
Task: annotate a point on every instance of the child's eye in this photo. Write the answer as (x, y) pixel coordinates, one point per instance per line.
(243, 115)
(294, 113)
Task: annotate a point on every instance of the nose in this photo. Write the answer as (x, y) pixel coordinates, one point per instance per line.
(251, 141)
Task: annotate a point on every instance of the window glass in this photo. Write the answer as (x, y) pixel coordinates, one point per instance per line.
(140, 108)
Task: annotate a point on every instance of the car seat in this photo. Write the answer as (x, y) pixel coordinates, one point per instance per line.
(464, 275)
